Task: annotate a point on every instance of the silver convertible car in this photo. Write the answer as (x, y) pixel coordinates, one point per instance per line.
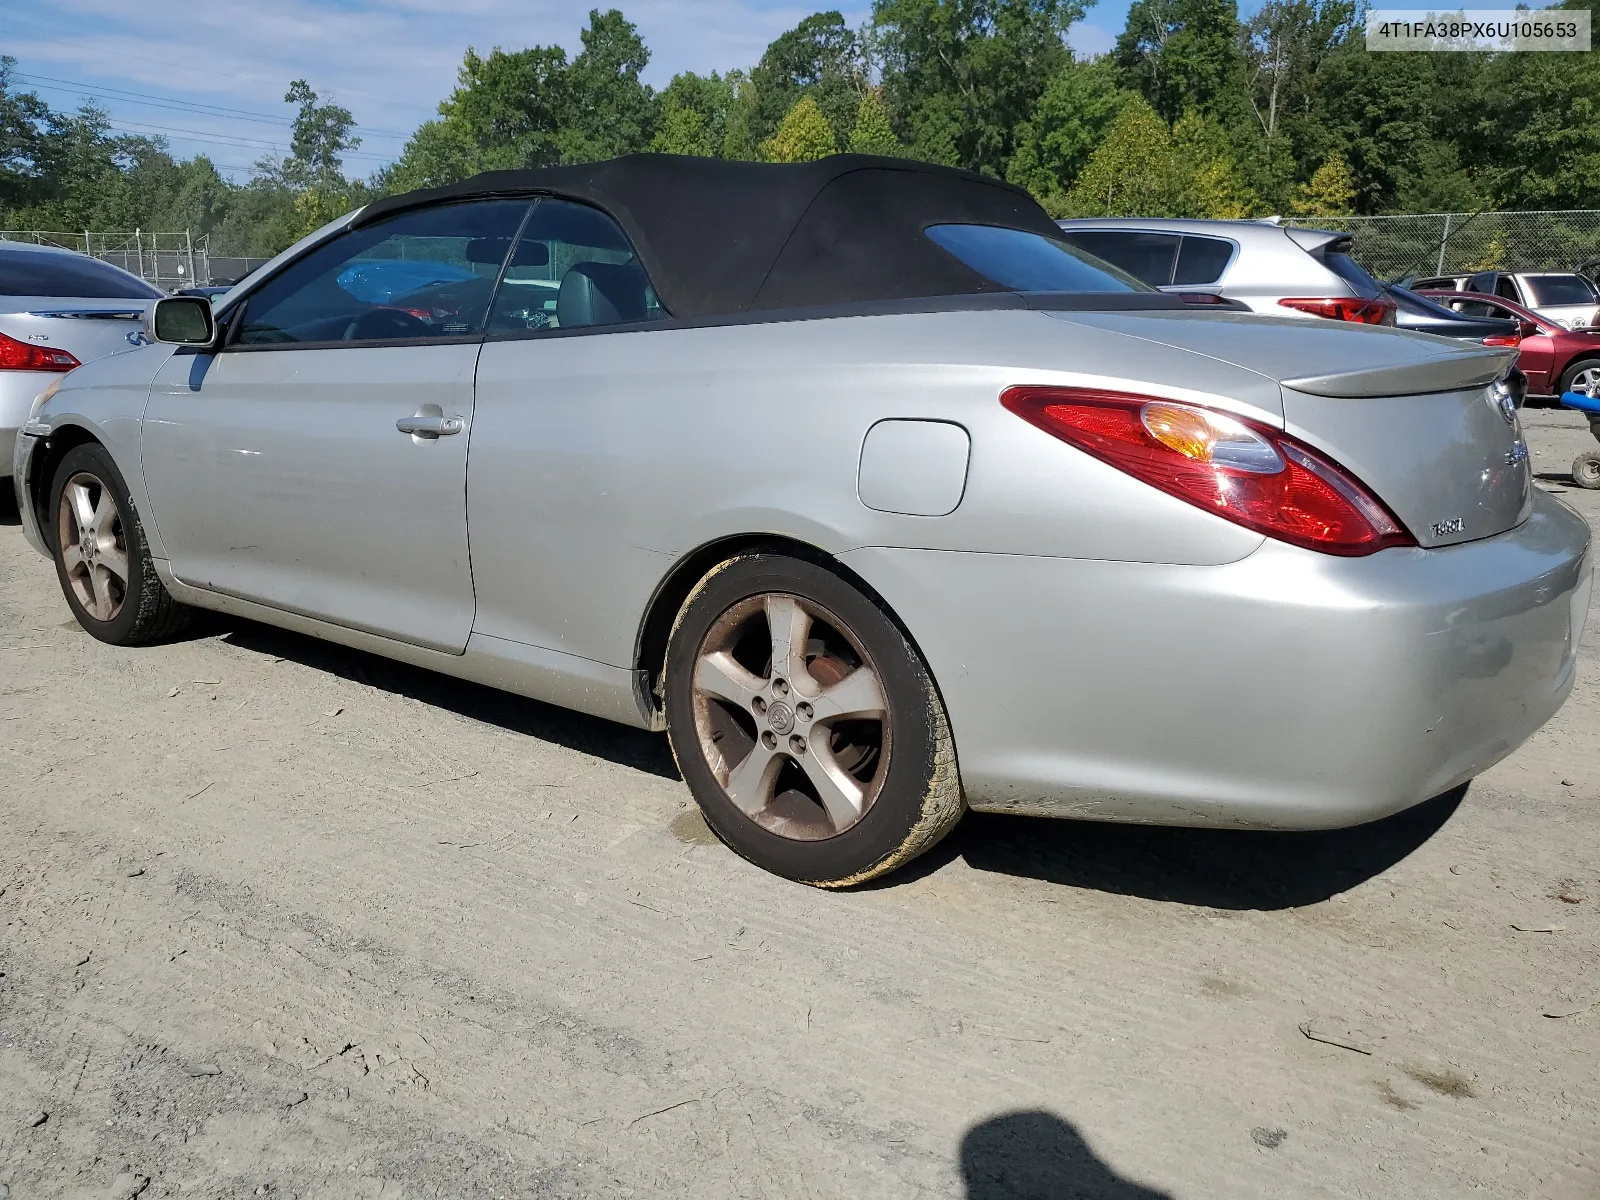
(879, 498)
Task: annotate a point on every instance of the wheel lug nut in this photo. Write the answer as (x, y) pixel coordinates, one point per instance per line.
(769, 739)
(759, 705)
(804, 710)
(797, 744)
(780, 687)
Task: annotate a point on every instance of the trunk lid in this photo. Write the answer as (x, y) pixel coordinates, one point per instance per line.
(85, 328)
(1414, 417)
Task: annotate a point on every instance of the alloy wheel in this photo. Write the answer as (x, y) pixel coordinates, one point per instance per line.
(94, 548)
(791, 716)
(1587, 382)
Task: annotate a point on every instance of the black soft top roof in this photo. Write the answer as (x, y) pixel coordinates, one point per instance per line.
(719, 238)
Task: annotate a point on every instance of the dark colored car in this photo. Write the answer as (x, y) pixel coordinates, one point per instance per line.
(1555, 359)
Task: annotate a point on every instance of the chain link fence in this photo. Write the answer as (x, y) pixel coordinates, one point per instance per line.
(1452, 243)
(166, 260)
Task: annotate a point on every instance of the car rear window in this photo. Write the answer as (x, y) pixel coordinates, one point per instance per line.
(1560, 289)
(32, 273)
(1338, 260)
(1024, 261)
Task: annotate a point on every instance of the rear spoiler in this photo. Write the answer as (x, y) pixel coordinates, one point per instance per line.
(1447, 373)
(1319, 241)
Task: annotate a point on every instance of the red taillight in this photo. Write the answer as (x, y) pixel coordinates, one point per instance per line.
(1509, 341)
(1250, 474)
(1344, 308)
(22, 356)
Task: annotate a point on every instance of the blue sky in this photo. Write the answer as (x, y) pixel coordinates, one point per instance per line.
(210, 74)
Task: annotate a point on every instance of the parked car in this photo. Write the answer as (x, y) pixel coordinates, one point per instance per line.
(210, 290)
(58, 308)
(875, 494)
(1272, 268)
(1566, 297)
(1556, 359)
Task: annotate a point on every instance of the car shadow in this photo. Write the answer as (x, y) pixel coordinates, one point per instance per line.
(1213, 868)
(1035, 1155)
(615, 743)
(9, 514)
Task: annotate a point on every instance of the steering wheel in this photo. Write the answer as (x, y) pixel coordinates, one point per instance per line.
(381, 323)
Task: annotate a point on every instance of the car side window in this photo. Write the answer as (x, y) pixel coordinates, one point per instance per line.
(1149, 257)
(428, 273)
(1202, 260)
(1506, 287)
(573, 268)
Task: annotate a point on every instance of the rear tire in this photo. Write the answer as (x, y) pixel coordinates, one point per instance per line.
(102, 556)
(807, 727)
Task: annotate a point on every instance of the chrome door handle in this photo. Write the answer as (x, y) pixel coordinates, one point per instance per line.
(430, 427)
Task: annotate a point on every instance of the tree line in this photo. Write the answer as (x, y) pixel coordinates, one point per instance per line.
(1194, 112)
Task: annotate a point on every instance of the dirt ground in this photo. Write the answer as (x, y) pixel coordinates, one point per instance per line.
(285, 919)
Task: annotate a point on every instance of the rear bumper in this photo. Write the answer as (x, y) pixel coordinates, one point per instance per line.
(19, 464)
(1290, 690)
(17, 392)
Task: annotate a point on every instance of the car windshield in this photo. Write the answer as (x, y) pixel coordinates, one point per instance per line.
(40, 273)
(1031, 262)
(1560, 289)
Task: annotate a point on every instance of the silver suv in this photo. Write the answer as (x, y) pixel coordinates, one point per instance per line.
(1272, 268)
(1261, 263)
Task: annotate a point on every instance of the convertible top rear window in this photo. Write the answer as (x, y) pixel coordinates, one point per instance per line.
(1023, 261)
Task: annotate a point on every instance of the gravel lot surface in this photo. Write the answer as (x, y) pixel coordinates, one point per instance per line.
(285, 919)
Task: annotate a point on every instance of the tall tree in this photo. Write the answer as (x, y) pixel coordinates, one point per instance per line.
(321, 137)
(803, 135)
(872, 133)
(820, 57)
(961, 75)
(609, 111)
(1285, 43)
(1184, 54)
(694, 115)
(1069, 120)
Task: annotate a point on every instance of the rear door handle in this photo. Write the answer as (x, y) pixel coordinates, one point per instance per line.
(429, 426)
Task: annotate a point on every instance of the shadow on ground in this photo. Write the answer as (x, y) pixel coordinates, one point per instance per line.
(1216, 868)
(8, 504)
(1229, 869)
(589, 735)
(1037, 1156)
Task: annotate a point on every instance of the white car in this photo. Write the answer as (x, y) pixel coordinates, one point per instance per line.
(1563, 296)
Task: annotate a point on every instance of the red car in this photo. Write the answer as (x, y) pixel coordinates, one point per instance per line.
(1554, 358)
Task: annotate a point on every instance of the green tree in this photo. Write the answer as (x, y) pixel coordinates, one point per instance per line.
(803, 135)
(820, 57)
(1135, 171)
(961, 75)
(608, 110)
(1069, 120)
(872, 134)
(1331, 191)
(694, 115)
(320, 138)
(1217, 185)
(1184, 54)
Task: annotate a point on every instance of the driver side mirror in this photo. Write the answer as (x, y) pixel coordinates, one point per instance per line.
(183, 321)
(1529, 329)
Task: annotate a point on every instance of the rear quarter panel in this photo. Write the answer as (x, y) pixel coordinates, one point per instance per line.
(599, 461)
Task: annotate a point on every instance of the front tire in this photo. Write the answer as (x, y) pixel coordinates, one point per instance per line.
(805, 724)
(102, 556)
(1586, 470)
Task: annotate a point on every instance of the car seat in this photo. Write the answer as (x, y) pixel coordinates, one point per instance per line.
(596, 293)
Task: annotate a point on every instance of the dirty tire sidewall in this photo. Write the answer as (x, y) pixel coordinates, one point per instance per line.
(920, 800)
(148, 611)
(1586, 470)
